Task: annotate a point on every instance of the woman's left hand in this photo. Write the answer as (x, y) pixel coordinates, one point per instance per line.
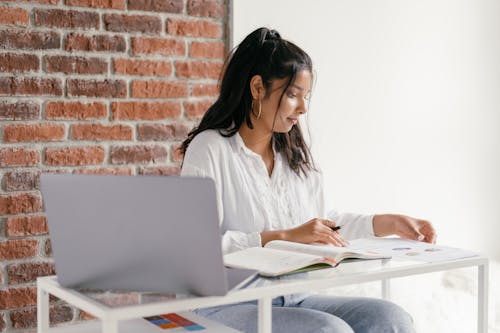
(404, 226)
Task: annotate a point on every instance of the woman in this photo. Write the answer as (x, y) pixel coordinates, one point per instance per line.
(250, 143)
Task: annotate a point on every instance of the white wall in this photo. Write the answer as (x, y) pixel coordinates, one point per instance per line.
(405, 115)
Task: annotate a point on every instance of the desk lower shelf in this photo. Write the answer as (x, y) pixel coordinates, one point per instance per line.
(204, 325)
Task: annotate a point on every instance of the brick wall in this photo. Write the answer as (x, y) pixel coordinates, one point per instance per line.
(92, 86)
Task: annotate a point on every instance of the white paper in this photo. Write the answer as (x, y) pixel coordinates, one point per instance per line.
(410, 250)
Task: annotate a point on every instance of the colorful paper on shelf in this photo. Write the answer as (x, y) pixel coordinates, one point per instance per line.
(170, 321)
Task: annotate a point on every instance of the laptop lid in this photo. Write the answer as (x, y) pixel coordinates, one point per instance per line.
(142, 233)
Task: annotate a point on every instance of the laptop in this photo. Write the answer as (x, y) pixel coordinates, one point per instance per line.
(138, 233)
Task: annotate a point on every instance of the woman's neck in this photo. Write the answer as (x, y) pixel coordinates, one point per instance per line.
(256, 140)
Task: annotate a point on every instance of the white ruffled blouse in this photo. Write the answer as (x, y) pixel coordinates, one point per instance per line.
(250, 201)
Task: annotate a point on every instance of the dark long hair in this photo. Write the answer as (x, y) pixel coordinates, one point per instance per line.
(264, 53)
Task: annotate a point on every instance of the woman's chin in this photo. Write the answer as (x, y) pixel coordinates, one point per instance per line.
(283, 129)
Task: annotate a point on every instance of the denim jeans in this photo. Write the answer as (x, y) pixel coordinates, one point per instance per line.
(317, 314)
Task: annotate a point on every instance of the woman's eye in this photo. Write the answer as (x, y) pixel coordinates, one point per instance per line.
(292, 95)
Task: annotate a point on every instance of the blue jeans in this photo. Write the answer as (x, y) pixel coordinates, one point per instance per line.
(317, 314)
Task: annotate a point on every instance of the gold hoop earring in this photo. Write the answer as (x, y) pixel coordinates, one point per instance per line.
(260, 110)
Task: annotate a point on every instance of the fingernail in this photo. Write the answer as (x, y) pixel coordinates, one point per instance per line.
(421, 238)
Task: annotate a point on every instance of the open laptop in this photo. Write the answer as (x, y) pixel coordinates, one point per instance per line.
(141, 233)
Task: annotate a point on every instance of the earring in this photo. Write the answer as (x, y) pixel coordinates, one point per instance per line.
(260, 110)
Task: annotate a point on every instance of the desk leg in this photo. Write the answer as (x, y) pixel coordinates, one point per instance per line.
(265, 315)
(42, 300)
(109, 326)
(386, 289)
(482, 298)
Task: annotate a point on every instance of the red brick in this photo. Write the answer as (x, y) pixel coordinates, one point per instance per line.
(17, 297)
(97, 88)
(19, 110)
(22, 180)
(177, 156)
(132, 23)
(142, 67)
(26, 318)
(99, 43)
(79, 65)
(68, 19)
(20, 203)
(120, 299)
(195, 28)
(198, 69)
(82, 315)
(160, 171)
(161, 132)
(205, 90)
(47, 2)
(17, 249)
(212, 50)
(74, 156)
(11, 86)
(157, 297)
(166, 6)
(145, 110)
(138, 154)
(26, 226)
(207, 8)
(34, 132)
(28, 272)
(10, 62)
(161, 46)
(9, 15)
(29, 40)
(75, 110)
(196, 109)
(109, 4)
(18, 157)
(159, 89)
(101, 132)
(105, 171)
(113, 300)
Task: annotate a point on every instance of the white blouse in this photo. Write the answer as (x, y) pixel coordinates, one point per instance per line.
(250, 201)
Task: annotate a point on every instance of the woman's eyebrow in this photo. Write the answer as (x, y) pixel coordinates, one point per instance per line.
(298, 87)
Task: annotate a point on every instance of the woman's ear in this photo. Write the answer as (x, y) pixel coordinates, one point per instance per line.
(257, 87)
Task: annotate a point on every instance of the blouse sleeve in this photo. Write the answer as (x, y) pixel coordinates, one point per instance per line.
(353, 225)
(200, 162)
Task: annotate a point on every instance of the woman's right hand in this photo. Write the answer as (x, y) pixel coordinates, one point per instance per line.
(313, 231)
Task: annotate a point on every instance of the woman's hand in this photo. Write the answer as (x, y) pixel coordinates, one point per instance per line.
(314, 231)
(404, 226)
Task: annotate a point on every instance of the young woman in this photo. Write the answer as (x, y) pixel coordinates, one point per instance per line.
(250, 143)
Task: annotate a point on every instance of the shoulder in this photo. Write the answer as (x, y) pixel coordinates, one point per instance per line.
(207, 148)
(208, 141)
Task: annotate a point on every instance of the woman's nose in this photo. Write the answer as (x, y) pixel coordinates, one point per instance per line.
(302, 107)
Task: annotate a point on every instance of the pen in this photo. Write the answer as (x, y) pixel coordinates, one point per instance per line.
(336, 228)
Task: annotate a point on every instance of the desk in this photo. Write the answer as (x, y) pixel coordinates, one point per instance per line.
(345, 274)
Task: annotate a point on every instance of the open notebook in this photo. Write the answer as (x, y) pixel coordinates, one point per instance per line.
(283, 257)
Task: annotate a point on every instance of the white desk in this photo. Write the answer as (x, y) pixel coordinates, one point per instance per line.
(346, 273)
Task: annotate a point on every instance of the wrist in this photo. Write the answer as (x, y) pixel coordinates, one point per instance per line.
(384, 224)
(269, 235)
